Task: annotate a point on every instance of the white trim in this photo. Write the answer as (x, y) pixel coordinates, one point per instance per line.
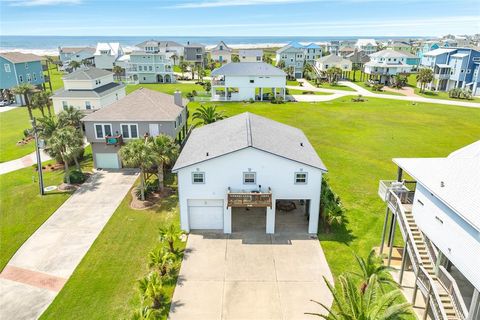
(198, 172)
(103, 129)
(254, 177)
(129, 126)
(6, 67)
(301, 172)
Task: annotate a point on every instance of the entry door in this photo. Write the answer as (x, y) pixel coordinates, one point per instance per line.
(153, 129)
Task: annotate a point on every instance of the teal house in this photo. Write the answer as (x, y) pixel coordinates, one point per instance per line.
(17, 68)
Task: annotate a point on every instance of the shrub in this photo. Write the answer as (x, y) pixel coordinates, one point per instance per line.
(76, 176)
(277, 100)
(358, 98)
(190, 95)
(377, 87)
(194, 93)
(308, 92)
(458, 93)
(251, 100)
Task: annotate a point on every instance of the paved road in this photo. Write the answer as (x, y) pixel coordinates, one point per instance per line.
(22, 162)
(40, 268)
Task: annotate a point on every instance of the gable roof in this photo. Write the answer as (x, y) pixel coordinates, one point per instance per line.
(247, 130)
(158, 43)
(438, 51)
(141, 105)
(221, 43)
(388, 53)
(76, 49)
(18, 57)
(248, 69)
(95, 93)
(331, 58)
(114, 48)
(366, 42)
(87, 73)
(250, 52)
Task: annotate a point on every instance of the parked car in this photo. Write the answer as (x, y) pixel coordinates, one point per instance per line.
(4, 103)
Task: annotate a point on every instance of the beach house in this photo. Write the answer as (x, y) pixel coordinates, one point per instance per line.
(327, 62)
(238, 81)
(106, 54)
(149, 65)
(369, 46)
(87, 89)
(386, 64)
(143, 112)
(78, 54)
(171, 49)
(250, 55)
(435, 202)
(17, 68)
(195, 53)
(221, 53)
(249, 171)
(295, 55)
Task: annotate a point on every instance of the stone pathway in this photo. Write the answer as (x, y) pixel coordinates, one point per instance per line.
(41, 267)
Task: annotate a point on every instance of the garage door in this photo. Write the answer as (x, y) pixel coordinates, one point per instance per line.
(106, 161)
(205, 214)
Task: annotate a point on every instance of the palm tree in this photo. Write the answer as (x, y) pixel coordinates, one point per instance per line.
(290, 71)
(74, 65)
(331, 208)
(235, 58)
(25, 90)
(118, 71)
(139, 154)
(166, 151)
(86, 62)
(70, 117)
(373, 266)
(355, 68)
(333, 74)
(424, 76)
(207, 115)
(267, 59)
(351, 304)
(200, 72)
(40, 100)
(170, 235)
(67, 142)
(152, 291)
(162, 261)
(47, 126)
(174, 57)
(183, 67)
(281, 64)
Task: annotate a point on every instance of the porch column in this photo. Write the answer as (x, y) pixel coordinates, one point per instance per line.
(270, 228)
(284, 92)
(404, 262)
(314, 213)
(392, 238)
(227, 220)
(261, 94)
(399, 174)
(474, 312)
(385, 223)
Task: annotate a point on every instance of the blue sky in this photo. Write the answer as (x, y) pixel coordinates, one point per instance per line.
(240, 17)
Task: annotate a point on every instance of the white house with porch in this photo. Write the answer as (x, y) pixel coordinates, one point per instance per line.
(249, 167)
(238, 81)
(438, 213)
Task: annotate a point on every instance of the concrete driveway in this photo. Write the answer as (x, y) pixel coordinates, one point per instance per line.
(40, 268)
(251, 275)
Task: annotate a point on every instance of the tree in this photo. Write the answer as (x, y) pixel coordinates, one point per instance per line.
(47, 126)
(70, 117)
(174, 57)
(331, 208)
(281, 64)
(235, 58)
(351, 304)
(86, 62)
(333, 75)
(41, 100)
(200, 72)
(355, 68)
(152, 291)
(74, 65)
(290, 70)
(138, 154)
(66, 142)
(207, 115)
(170, 235)
(166, 151)
(424, 76)
(267, 59)
(373, 266)
(183, 67)
(25, 90)
(399, 81)
(118, 71)
(162, 261)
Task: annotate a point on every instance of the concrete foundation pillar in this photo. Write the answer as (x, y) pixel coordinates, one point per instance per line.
(270, 228)
(227, 220)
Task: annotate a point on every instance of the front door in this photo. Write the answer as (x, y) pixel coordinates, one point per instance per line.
(153, 129)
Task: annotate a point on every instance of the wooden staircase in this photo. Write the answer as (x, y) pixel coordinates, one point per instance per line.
(427, 263)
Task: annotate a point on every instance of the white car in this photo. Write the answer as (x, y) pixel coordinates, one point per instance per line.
(4, 103)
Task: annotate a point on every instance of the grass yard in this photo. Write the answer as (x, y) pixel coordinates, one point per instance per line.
(363, 85)
(293, 91)
(293, 83)
(357, 142)
(169, 88)
(23, 209)
(104, 285)
(56, 78)
(327, 85)
(412, 82)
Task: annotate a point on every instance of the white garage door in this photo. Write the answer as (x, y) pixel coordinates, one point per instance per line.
(106, 161)
(205, 214)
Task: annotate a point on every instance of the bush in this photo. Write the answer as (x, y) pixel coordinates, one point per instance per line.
(27, 133)
(458, 93)
(76, 176)
(377, 87)
(190, 95)
(308, 92)
(194, 93)
(251, 100)
(277, 100)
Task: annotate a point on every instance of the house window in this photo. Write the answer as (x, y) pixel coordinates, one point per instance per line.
(300, 178)
(6, 66)
(29, 77)
(252, 81)
(129, 130)
(34, 76)
(102, 130)
(26, 65)
(259, 58)
(20, 78)
(64, 105)
(88, 105)
(198, 177)
(249, 177)
(150, 68)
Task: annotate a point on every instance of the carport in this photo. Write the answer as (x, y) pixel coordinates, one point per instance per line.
(292, 215)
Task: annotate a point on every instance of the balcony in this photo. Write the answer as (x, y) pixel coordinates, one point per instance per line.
(441, 76)
(249, 199)
(218, 82)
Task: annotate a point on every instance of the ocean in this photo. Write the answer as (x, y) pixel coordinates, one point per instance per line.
(48, 45)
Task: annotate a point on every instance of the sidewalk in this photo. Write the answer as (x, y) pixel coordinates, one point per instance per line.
(23, 162)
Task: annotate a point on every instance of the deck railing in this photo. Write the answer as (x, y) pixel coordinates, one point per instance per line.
(249, 199)
(452, 288)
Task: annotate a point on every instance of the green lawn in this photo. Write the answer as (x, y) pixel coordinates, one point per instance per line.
(23, 209)
(56, 78)
(363, 85)
(104, 284)
(293, 83)
(412, 82)
(169, 88)
(293, 91)
(327, 85)
(357, 142)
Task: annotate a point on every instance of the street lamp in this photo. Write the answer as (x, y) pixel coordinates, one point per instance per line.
(39, 160)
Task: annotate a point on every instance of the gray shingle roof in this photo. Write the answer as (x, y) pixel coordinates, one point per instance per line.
(76, 49)
(18, 57)
(248, 69)
(96, 93)
(248, 130)
(331, 58)
(89, 73)
(141, 105)
(158, 43)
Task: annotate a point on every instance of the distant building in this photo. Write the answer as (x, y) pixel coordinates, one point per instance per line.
(400, 46)
(296, 55)
(345, 51)
(195, 53)
(324, 63)
(107, 54)
(386, 64)
(333, 47)
(77, 54)
(170, 49)
(368, 45)
(150, 65)
(358, 59)
(221, 53)
(87, 89)
(250, 55)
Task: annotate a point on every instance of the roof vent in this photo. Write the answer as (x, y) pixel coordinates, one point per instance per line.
(301, 144)
(207, 154)
(442, 184)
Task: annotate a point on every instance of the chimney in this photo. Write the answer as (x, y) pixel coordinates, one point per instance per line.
(177, 98)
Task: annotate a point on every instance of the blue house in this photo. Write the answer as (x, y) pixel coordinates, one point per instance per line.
(454, 68)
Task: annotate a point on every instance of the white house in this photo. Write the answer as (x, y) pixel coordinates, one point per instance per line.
(87, 89)
(238, 81)
(248, 162)
(387, 63)
(250, 55)
(78, 54)
(439, 217)
(327, 62)
(107, 54)
(171, 49)
(221, 53)
(367, 45)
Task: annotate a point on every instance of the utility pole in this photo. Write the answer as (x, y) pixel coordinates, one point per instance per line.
(39, 160)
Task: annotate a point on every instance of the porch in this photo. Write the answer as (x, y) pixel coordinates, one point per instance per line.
(226, 93)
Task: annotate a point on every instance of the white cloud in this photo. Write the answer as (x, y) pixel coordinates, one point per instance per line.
(234, 3)
(33, 3)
